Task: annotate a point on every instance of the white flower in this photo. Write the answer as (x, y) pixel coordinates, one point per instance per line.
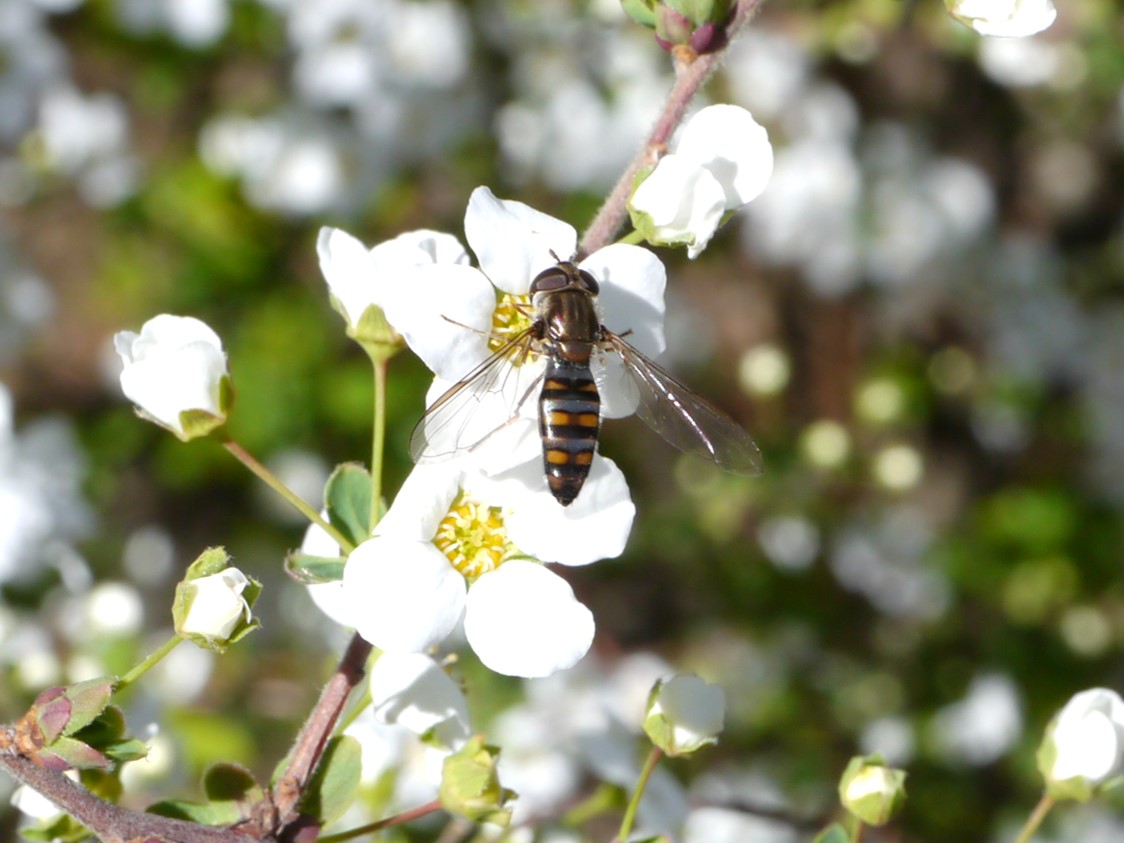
(684, 714)
(454, 543)
(215, 605)
(411, 690)
(176, 366)
(1087, 739)
(721, 160)
(722, 825)
(1009, 18)
(458, 312)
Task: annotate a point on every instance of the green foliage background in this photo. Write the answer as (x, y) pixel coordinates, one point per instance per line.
(1026, 540)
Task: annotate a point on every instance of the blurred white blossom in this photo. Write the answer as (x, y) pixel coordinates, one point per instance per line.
(981, 727)
(1008, 18)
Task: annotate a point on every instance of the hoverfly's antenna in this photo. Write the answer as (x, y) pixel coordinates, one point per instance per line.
(559, 260)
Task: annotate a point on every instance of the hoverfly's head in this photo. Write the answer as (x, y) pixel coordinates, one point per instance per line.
(564, 276)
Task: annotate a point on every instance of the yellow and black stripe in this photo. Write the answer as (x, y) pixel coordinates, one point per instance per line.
(569, 419)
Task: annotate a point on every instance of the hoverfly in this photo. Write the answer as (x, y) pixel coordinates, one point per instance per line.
(567, 332)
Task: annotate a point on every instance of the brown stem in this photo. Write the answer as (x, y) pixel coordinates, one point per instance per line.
(111, 823)
(317, 729)
(691, 72)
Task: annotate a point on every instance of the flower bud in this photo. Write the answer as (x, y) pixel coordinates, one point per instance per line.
(212, 604)
(1083, 749)
(872, 791)
(470, 785)
(175, 372)
(698, 24)
(684, 714)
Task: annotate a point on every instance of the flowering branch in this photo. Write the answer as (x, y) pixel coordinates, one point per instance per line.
(691, 71)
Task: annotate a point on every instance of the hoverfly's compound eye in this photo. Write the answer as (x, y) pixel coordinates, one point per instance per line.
(589, 282)
(549, 280)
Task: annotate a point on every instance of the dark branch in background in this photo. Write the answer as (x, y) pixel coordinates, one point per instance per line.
(691, 71)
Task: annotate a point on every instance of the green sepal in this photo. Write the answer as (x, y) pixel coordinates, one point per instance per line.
(313, 570)
(60, 829)
(347, 497)
(641, 11)
(198, 423)
(470, 785)
(376, 334)
(213, 560)
(834, 833)
(333, 786)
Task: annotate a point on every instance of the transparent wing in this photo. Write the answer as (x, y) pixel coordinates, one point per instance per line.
(682, 417)
(486, 400)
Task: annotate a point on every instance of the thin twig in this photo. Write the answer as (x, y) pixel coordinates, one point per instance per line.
(317, 729)
(689, 78)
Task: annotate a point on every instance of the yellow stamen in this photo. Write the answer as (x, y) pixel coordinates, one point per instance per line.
(512, 316)
(473, 538)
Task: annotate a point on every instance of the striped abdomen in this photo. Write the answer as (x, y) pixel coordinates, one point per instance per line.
(569, 417)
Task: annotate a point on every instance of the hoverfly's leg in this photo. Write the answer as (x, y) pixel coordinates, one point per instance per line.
(466, 327)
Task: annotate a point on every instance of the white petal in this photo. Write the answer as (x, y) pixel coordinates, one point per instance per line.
(422, 502)
(420, 248)
(722, 825)
(351, 275)
(595, 526)
(411, 690)
(405, 595)
(684, 202)
(523, 620)
(632, 282)
(164, 332)
(445, 315)
(512, 241)
(1089, 748)
(727, 141)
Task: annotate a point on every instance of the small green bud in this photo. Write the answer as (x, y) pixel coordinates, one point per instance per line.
(870, 790)
(376, 335)
(470, 785)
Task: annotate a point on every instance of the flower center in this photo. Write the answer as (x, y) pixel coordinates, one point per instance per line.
(473, 538)
(513, 315)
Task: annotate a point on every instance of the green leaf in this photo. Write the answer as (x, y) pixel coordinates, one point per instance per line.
(336, 780)
(347, 498)
(108, 727)
(834, 833)
(641, 11)
(60, 829)
(127, 750)
(67, 753)
(88, 700)
(312, 570)
(204, 813)
(231, 783)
